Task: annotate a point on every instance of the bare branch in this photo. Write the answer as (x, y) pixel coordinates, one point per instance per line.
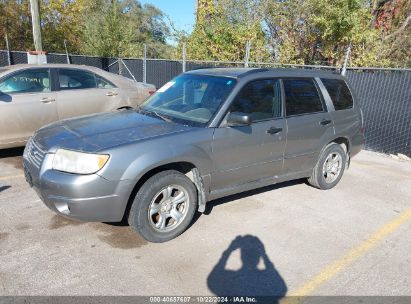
(400, 29)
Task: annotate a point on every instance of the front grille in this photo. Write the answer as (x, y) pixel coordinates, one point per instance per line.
(34, 154)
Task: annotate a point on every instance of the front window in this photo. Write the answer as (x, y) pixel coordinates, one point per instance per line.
(27, 81)
(260, 98)
(189, 99)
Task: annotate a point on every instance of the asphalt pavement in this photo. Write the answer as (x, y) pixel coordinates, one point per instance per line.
(287, 239)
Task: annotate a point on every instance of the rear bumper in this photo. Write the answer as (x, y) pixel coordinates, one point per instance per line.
(83, 197)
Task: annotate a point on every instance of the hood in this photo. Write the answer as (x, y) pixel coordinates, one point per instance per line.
(103, 131)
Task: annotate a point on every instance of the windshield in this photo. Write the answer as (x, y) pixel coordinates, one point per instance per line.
(189, 99)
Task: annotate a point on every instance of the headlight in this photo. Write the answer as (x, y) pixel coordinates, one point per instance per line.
(78, 162)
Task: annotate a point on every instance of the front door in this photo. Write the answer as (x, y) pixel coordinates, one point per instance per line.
(26, 104)
(250, 153)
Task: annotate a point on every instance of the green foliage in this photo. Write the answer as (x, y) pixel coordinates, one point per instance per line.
(284, 31)
(108, 33)
(15, 21)
(298, 32)
(93, 27)
(222, 31)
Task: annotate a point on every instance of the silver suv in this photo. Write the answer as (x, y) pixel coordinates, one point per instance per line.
(204, 135)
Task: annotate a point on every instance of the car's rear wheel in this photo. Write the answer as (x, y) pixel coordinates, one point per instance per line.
(329, 168)
(164, 206)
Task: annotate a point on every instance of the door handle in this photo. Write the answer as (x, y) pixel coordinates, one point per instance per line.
(47, 99)
(325, 122)
(111, 94)
(274, 130)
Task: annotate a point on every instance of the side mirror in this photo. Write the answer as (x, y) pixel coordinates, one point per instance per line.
(238, 119)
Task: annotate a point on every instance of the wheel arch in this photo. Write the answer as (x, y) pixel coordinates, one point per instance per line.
(185, 167)
(344, 142)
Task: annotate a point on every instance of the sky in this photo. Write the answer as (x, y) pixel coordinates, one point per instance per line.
(181, 12)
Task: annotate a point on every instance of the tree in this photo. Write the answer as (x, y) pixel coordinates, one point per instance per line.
(107, 33)
(319, 31)
(393, 19)
(15, 21)
(222, 30)
(96, 27)
(64, 20)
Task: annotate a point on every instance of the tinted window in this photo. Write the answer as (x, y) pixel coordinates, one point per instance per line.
(339, 93)
(104, 83)
(76, 79)
(301, 97)
(28, 81)
(260, 98)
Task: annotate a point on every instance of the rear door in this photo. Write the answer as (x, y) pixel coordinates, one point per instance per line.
(249, 153)
(82, 92)
(309, 125)
(346, 118)
(27, 103)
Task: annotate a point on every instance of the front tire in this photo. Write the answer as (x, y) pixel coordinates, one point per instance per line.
(329, 168)
(163, 207)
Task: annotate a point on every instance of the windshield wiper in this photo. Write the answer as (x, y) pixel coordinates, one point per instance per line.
(141, 110)
(162, 117)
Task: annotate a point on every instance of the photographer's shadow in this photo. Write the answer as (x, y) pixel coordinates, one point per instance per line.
(249, 280)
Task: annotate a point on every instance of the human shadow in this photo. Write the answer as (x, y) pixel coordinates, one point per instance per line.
(249, 280)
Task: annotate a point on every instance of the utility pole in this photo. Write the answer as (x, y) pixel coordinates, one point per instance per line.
(35, 19)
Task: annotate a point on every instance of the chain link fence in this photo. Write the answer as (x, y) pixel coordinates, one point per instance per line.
(385, 94)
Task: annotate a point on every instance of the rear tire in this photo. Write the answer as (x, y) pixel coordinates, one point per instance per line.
(163, 207)
(329, 168)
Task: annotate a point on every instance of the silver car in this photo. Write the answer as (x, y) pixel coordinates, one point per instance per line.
(32, 96)
(204, 135)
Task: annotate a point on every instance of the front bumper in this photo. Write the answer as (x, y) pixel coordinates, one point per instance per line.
(84, 197)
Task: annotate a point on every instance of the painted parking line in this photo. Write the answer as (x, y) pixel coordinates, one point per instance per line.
(2, 178)
(354, 254)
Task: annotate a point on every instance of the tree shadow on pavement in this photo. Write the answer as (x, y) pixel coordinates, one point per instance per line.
(249, 280)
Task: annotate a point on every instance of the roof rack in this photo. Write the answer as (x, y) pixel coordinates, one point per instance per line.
(252, 71)
(202, 68)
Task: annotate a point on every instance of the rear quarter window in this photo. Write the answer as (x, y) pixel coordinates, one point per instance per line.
(339, 92)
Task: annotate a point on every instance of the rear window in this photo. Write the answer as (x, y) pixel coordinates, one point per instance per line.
(76, 79)
(339, 93)
(301, 97)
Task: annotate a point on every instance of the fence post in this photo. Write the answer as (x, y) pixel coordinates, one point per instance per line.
(67, 55)
(8, 50)
(120, 67)
(184, 57)
(145, 64)
(247, 53)
(347, 56)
